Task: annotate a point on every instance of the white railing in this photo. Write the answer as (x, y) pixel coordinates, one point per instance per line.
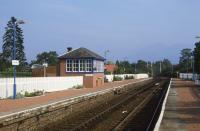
(188, 76)
(135, 76)
(197, 82)
(31, 84)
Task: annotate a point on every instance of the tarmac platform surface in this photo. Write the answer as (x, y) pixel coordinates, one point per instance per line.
(182, 109)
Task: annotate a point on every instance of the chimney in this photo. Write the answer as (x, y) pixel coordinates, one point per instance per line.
(69, 49)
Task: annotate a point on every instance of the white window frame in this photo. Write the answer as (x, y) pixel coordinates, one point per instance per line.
(67, 65)
(82, 64)
(99, 65)
(85, 64)
(75, 61)
(88, 65)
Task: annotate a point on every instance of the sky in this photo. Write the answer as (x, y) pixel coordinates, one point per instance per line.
(130, 29)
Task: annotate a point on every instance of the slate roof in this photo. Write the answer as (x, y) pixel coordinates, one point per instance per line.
(81, 53)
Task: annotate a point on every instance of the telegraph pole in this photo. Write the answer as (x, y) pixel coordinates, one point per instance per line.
(192, 63)
(105, 54)
(152, 69)
(160, 67)
(135, 68)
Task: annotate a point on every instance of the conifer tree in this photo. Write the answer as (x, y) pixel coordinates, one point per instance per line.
(8, 39)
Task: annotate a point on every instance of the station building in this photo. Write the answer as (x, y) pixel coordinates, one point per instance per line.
(83, 62)
(110, 68)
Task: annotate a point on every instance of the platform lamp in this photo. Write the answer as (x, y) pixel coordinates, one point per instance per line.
(45, 65)
(14, 61)
(193, 73)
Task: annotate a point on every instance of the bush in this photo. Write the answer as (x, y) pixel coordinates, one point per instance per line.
(105, 80)
(32, 94)
(27, 94)
(107, 73)
(117, 78)
(77, 87)
(18, 96)
(129, 77)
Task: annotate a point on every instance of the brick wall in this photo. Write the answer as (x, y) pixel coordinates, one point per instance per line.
(93, 80)
(62, 68)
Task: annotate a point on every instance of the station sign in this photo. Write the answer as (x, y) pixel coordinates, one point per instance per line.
(45, 64)
(15, 62)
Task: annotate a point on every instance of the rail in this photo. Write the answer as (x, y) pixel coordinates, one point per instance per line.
(93, 117)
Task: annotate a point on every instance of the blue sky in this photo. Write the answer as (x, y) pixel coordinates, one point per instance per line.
(130, 29)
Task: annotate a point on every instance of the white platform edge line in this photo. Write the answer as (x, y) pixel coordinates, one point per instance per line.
(163, 108)
(76, 97)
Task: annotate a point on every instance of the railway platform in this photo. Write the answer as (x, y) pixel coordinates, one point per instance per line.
(10, 107)
(182, 108)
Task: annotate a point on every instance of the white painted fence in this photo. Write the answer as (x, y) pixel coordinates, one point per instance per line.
(48, 84)
(197, 82)
(188, 76)
(136, 76)
(140, 76)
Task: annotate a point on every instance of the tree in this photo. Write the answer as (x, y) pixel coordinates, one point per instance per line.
(166, 68)
(125, 67)
(134, 68)
(185, 61)
(197, 57)
(142, 66)
(8, 44)
(50, 57)
(156, 68)
(162, 68)
(120, 68)
(2, 63)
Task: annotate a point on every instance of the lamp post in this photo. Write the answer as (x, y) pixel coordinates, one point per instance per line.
(160, 67)
(193, 77)
(14, 61)
(45, 65)
(105, 54)
(152, 69)
(135, 67)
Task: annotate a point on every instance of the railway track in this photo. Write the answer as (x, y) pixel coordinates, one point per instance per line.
(147, 117)
(118, 113)
(118, 120)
